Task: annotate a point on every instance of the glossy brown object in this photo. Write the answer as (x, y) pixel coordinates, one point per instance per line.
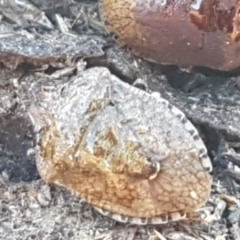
(179, 32)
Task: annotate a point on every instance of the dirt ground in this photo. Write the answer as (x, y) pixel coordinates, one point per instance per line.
(32, 209)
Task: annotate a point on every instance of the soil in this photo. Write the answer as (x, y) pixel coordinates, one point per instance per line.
(32, 209)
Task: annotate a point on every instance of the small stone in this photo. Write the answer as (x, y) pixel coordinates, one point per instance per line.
(234, 216)
(44, 196)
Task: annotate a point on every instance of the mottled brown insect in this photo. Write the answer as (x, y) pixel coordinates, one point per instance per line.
(131, 154)
(185, 33)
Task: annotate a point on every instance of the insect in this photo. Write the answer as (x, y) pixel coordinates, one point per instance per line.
(131, 154)
(184, 33)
